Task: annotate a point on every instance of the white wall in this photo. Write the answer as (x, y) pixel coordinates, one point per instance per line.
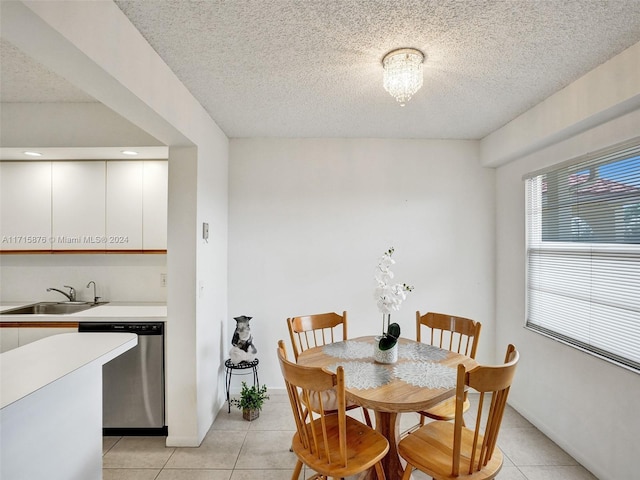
(95, 47)
(119, 278)
(586, 405)
(308, 220)
(605, 93)
(87, 124)
(211, 274)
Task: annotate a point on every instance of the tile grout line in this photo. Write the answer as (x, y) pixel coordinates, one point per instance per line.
(169, 458)
(521, 472)
(244, 440)
(158, 474)
(111, 447)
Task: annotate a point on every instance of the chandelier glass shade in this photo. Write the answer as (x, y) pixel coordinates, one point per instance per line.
(403, 73)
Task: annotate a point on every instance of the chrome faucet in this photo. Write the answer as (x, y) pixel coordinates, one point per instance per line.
(95, 299)
(71, 295)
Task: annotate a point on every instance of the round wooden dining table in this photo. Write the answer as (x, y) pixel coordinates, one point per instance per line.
(422, 377)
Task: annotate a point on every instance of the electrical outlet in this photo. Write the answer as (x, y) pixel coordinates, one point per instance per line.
(163, 279)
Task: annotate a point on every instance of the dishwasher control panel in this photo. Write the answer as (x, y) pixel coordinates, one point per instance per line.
(141, 328)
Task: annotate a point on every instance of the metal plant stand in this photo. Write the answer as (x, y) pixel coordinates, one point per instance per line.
(240, 369)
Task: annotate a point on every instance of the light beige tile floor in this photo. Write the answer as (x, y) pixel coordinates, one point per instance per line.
(235, 449)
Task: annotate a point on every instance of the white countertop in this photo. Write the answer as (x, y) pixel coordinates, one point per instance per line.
(31, 367)
(122, 311)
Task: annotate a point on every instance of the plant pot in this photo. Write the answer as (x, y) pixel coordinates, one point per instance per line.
(385, 356)
(249, 414)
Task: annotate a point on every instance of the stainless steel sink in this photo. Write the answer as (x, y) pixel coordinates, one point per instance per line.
(51, 308)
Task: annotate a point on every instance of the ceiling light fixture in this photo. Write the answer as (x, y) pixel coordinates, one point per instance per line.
(129, 152)
(33, 154)
(403, 73)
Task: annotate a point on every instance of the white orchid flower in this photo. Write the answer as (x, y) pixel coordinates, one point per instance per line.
(388, 296)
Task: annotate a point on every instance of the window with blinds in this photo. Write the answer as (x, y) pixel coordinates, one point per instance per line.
(583, 253)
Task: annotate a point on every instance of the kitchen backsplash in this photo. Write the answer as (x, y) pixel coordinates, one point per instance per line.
(119, 278)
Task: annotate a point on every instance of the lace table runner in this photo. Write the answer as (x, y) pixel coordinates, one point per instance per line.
(354, 350)
(349, 349)
(421, 370)
(421, 352)
(425, 374)
(363, 375)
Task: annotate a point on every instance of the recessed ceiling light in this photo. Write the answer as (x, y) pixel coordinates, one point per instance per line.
(129, 152)
(33, 154)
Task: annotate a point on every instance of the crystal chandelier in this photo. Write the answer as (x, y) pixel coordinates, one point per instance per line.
(403, 73)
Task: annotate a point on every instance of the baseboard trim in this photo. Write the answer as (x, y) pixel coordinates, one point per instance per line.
(182, 441)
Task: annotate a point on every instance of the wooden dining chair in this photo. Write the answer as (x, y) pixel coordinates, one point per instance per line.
(445, 450)
(330, 443)
(457, 334)
(310, 331)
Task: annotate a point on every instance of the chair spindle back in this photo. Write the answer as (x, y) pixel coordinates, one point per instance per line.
(491, 382)
(305, 387)
(457, 334)
(316, 330)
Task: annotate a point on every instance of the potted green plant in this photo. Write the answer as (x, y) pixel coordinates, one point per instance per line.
(251, 401)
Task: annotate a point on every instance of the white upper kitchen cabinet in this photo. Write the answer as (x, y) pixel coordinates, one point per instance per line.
(124, 205)
(78, 205)
(84, 205)
(25, 205)
(154, 204)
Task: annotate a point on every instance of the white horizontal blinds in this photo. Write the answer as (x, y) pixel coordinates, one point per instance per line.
(583, 254)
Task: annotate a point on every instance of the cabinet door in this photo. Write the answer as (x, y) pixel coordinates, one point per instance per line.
(25, 205)
(154, 205)
(124, 205)
(8, 338)
(78, 204)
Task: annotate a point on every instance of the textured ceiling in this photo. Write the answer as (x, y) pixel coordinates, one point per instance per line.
(24, 80)
(294, 68)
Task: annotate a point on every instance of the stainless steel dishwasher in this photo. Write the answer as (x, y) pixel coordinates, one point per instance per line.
(133, 383)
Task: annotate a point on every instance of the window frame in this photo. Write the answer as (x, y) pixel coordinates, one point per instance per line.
(591, 251)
